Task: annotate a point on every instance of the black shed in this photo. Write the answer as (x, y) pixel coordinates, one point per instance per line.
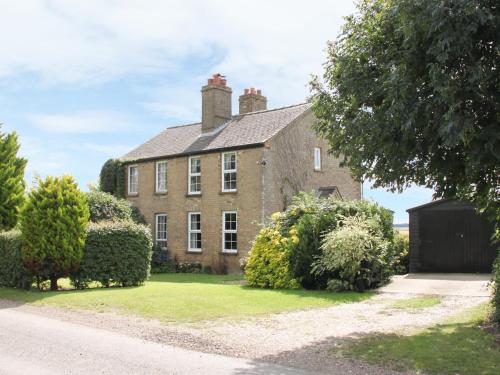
(449, 236)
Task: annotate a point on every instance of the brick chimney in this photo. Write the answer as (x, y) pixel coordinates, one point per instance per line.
(252, 100)
(215, 103)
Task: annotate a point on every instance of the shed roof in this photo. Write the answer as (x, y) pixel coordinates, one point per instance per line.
(440, 202)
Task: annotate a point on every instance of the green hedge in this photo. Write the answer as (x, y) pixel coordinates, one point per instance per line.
(115, 253)
(12, 271)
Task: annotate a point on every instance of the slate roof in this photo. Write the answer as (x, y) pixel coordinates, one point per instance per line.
(250, 129)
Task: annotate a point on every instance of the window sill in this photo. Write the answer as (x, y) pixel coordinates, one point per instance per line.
(228, 191)
(193, 195)
(132, 194)
(229, 252)
(193, 251)
(161, 192)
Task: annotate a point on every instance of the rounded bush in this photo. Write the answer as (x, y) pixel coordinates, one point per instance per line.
(115, 253)
(106, 207)
(353, 253)
(268, 264)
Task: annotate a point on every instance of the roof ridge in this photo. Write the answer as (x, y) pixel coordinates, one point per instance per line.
(271, 110)
(180, 126)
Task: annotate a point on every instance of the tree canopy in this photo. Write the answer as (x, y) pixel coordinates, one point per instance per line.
(53, 226)
(411, 95)
(11, 180)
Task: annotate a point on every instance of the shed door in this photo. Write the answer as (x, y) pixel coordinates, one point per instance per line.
(455, 241)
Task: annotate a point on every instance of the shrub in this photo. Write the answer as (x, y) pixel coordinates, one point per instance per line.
(400, 253)
(161, 262)
(314, 217)
(354, 253)
(188, 267)
(13, 273)
(106, 207)
(53, 224)
(116, 253)
(268, 264)
(112, 178)
(307, 248)
(137, 215)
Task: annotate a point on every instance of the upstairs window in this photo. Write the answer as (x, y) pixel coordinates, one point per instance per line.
(194, 232)
(317, 159)
(161, 230)
(161, 177)
(133, 179)
(229, 232)
(194, 169)
(229, 171)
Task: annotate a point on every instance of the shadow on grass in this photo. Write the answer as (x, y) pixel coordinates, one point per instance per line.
(460, 348)
(455, 348)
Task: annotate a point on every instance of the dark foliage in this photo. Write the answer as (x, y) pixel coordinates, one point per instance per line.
(13, 273)
(112, 178)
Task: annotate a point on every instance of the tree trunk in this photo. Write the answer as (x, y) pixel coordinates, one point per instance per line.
(53, 283)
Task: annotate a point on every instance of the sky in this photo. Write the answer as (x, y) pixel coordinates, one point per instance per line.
(83, 81)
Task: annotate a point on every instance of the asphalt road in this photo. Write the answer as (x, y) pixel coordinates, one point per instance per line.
(32, 344)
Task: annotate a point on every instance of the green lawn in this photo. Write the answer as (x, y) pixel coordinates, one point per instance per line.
(186, 298)
(416, 303)
(459, 346)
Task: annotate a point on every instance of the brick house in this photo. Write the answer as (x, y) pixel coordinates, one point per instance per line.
(204, 188)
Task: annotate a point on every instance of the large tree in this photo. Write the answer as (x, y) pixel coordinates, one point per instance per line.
(11, 180)
(411, 95)
(53, 225)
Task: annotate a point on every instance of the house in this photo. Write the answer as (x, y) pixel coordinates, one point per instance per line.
(450, 236)
(204, 188)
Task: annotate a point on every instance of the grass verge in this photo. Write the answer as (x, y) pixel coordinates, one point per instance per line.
(186, 298)
(459, 346)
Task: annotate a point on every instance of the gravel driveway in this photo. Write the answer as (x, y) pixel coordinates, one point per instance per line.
(301, 339)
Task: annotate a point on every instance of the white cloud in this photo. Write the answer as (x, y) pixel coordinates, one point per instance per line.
(274, 45)
(84, 122)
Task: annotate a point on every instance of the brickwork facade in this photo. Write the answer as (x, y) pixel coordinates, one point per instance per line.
(176, 203)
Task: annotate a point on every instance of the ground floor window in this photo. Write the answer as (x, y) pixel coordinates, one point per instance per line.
(229, 232)
(161, 231)
(194, 231)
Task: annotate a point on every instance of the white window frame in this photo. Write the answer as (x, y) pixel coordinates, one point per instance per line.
(158, 188)
(235, 170)
(191, 249)
(130, 192)
(317, 158)
(197, 174)
(224, 231)
(157, 240)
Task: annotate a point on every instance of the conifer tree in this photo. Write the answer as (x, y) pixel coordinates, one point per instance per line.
(12, 183)
(53, 226)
